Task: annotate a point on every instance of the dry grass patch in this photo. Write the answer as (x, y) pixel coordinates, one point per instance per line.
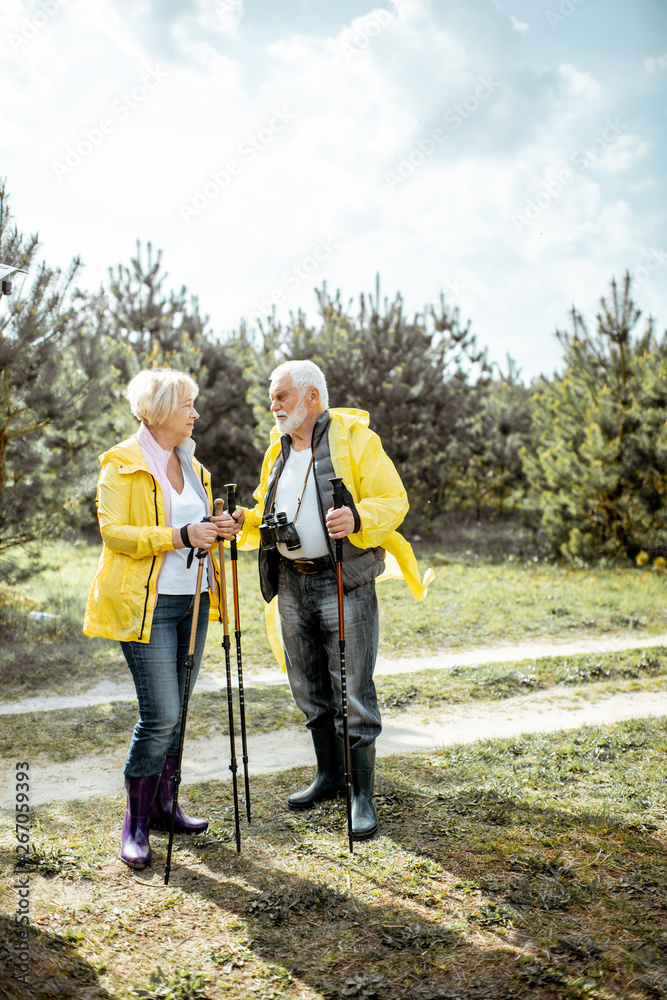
(532, 868)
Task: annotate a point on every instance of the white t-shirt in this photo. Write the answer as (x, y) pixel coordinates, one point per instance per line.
(309, 524)
(175, 577)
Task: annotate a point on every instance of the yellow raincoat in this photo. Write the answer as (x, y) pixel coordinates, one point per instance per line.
(358, 457)
(130, 511)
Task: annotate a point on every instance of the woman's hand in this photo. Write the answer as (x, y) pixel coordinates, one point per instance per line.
(204, 534)
(201, 534)
(228, 525)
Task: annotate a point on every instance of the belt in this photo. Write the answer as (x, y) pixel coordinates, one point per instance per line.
(309, 566)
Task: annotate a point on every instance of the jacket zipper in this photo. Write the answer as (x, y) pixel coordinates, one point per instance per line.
(330, 544)
(211, 561)
(150, 572)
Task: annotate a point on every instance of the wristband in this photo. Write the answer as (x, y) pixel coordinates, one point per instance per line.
(184, 537)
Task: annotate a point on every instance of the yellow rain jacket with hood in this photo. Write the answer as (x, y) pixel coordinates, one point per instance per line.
(131, 515)
(354, 452)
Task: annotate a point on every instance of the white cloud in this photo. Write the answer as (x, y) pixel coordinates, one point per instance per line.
(221, 16)
(655, 64)
(351, 115)
(623, 154)
(582, 91)
(11, 134)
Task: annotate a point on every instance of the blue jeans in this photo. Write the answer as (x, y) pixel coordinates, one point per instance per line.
(308, 607)
(158, 669)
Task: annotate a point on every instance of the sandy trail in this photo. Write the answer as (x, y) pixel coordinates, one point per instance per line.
(106, 690)
(404, 731)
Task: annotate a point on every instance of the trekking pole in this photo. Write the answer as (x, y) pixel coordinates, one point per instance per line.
(189, 665)
(338, 502)
(233, 767)
(231, 507)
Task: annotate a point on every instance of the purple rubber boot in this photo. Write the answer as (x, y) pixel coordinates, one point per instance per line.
(163, 804)
(135, 850)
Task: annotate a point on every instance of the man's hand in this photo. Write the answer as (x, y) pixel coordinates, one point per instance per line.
(340, 522)
(228, 525)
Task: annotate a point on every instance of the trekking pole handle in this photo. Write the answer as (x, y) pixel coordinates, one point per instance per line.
(219, 508)
(337, 484)
(231, 507)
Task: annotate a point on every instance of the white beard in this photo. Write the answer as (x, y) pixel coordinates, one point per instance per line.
(292, 422)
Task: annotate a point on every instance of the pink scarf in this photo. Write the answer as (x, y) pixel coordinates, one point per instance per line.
(156, 459)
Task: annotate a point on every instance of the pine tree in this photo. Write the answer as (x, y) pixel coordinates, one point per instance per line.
(53, 381)
(162, 328)
(154, 327)
(410, 375)
(495, 427)
(225, 432)
(600, 465)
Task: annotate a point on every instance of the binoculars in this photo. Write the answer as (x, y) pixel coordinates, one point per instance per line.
(276, 528)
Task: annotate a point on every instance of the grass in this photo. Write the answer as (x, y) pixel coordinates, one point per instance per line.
(533, 868)
(482, 604)
(472, 602)
(525, 868)
(65, 734)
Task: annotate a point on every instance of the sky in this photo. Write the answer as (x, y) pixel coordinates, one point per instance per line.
(508, 155)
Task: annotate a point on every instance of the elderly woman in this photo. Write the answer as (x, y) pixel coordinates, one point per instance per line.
(151, 501)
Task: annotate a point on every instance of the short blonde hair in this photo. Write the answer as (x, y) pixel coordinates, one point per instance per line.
(155, 394)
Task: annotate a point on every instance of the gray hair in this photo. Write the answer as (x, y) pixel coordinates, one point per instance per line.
(304, 375)
(155, 393)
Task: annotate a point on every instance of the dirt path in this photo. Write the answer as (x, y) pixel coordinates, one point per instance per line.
(106, 690)
(411, 730)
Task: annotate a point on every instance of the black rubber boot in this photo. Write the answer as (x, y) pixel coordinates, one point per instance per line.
(330, 778)
(364, 813)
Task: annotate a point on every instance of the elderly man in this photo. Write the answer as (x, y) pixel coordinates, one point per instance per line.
(310, 444)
